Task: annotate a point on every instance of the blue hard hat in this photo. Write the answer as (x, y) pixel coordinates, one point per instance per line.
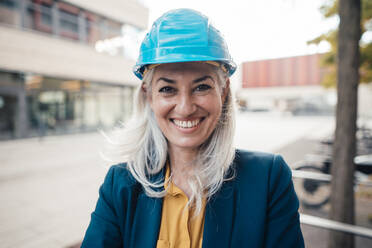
(183, 35)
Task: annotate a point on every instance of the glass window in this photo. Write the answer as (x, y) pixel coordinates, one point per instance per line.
(105, 35)
(39, 17)
(93, 29)
(112, 41)
(69, 25)
(60, 106)
(68, 21)
(8, 12)
(11, 4)
(8, 106)
(113, 29)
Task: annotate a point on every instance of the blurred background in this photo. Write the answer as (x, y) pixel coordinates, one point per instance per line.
(66, 72)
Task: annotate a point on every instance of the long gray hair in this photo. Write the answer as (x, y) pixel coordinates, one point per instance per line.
(141, 144)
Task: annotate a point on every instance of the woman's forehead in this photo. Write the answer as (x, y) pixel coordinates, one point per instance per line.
(184, 67)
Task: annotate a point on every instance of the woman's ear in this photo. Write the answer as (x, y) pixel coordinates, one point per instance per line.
(144, 88)
(226, 89)
(146, 93)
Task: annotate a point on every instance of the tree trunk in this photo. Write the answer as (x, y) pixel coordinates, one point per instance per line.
(342, 199)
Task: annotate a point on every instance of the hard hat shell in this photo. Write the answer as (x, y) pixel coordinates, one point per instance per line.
(183, 35)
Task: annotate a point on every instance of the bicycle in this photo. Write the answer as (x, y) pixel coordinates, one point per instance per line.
(316, 193)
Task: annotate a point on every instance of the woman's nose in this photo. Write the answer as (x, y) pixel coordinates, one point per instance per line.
(185, 104)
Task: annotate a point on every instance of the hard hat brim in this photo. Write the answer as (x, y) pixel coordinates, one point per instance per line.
(183, 54)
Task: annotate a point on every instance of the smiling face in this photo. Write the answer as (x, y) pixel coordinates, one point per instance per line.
(186, 99)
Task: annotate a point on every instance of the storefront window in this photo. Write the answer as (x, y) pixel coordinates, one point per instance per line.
(8, 104)
(57, 106)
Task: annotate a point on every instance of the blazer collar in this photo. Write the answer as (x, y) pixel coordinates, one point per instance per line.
(220, 216)
(147, 218)
(218, 224)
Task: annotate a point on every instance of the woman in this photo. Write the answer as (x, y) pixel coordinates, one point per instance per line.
(183, 184)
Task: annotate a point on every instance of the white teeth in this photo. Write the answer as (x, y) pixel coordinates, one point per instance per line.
(186, 124)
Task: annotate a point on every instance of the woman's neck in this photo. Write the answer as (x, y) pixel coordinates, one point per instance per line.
(180, 164)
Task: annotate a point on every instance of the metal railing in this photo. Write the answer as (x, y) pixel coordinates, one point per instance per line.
(335, 225)
(331, 224)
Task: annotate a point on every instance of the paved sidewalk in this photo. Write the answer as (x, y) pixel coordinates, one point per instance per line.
(48, 189)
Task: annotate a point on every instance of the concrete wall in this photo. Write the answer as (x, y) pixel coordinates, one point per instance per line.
(127, 11)
(33, 52)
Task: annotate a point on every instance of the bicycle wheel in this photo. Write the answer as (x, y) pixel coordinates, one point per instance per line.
(313, 193)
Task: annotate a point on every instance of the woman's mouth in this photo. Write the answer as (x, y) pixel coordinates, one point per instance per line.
(187, 124)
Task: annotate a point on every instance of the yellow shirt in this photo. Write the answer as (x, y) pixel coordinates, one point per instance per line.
(179, 228)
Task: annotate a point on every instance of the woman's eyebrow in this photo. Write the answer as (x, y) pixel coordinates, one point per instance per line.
(203, 79)
(166, 80)
(171, 81)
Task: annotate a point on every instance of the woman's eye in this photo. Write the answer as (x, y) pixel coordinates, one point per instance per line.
(203, 87)
(166, 89)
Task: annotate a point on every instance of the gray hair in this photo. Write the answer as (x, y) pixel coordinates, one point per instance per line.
(141, 144)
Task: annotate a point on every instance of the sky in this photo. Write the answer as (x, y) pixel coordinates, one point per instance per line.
(259, 29)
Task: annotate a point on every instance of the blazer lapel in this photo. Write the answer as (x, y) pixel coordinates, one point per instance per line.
(218, 225)
(220, 216)
(146, 222)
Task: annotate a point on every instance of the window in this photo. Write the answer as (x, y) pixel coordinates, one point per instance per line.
(40, 12)
(68, 21)
(69, 25)
(11, 4)
(8, 12)
(93, 29)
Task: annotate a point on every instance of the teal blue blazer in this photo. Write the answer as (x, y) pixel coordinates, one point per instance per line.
(258, 208)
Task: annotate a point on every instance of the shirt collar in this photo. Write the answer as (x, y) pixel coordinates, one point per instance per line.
(171, 188)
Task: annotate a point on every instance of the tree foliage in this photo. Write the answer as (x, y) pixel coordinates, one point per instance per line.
(330, 10)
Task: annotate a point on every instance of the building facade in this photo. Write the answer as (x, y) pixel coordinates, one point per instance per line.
(291, 71)
(286, 84)
(65, 66)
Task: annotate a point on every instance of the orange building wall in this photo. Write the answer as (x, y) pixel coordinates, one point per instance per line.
(291, 71)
